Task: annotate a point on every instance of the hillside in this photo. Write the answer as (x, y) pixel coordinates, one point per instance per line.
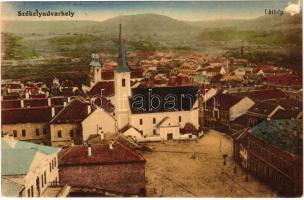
(142, 24)
(263, 23)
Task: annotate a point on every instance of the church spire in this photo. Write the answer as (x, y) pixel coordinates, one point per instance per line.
(122, 58)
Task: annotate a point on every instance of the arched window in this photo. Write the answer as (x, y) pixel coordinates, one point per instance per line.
(123, 82)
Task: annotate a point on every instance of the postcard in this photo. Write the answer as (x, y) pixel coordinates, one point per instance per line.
(151, 99)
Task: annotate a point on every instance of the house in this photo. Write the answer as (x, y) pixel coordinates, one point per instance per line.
(80, 119)
(29, 170)
(65, 127)
(108, 169)
(28, 124)
(258, 112)
(274, 154)
(221, 109)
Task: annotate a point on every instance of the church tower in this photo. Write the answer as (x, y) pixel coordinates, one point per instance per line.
(95, 70)
(122, 78)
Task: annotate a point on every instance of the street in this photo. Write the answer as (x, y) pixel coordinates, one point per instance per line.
(196, 169)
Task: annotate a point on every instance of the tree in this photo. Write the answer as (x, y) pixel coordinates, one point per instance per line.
(189, 128)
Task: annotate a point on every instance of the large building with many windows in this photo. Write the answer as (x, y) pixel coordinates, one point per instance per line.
(29, 170)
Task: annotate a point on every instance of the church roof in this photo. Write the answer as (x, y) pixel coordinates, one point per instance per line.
(163, 99)
(122, 58)
(95, 61)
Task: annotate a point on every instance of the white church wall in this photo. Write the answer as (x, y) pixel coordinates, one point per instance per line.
(148, 126)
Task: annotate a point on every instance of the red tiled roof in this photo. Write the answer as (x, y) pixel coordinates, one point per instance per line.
(267, 94)
(107, 86)
(38, 96)
(223, 101)
(262, 108)
(36, 102)
(10, 97)
(264, 68)
(74, 112)
(284, 79)
(13, 86)
(56, 101)
(26, 115)
(6, 104)
(101, 154)
(286, 114)
(214, 69)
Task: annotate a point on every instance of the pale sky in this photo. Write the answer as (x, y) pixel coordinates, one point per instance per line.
(190, 10)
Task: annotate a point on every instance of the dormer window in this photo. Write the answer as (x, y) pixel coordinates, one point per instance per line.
(123, 82)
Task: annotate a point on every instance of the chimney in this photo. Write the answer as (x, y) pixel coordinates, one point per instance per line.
(49, 101)
(89, 109)
(64, 104)
(89, 150)
(53, 111)
(22, 103)
(111, 145)
(100, 132)
(27, 95)
(69, 99)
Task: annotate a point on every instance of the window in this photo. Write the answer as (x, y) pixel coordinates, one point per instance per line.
(123, 82)
(180, 119)
(15, 133)
(29, 192)
(37, 131)
(52, 164)
(44, 131)
(32, 191)
(23, 133)
(42, 182)
(154, 120)
(50, 167)
(141, 132)
(55, 162)
(59, 133)
(71, 133)
(44, 177)
(140, 121)
(154, 131)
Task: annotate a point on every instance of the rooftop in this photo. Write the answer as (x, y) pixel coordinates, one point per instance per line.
(20, 155)
(101, 154)
(284, 134)
(74, 112)
(163, 99)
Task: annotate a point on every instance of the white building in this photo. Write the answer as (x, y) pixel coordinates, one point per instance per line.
(152, 112)
(29, 170)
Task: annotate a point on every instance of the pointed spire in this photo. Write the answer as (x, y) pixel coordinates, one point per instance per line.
(122, 58)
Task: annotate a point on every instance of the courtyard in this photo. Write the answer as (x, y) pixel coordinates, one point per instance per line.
(196, 169)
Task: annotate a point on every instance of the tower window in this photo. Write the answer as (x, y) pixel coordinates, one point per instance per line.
(180, 119)
(123, 82)
(154, 120)
(140, 121)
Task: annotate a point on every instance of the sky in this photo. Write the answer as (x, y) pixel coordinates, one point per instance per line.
(181, 10)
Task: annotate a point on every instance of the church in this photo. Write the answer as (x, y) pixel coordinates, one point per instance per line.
(145, 114)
